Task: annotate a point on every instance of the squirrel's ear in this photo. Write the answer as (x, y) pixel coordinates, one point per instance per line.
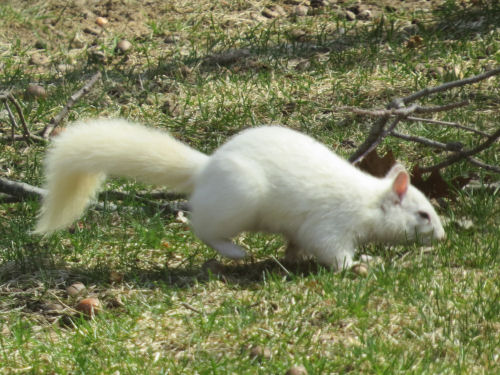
(401, 183)
(394, 171)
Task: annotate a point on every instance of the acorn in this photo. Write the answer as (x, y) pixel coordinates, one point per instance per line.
(101, 21)
(89, 306)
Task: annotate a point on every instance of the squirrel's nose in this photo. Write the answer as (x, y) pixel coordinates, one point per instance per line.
(439, 233)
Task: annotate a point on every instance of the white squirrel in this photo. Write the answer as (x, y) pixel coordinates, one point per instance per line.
(268, 178)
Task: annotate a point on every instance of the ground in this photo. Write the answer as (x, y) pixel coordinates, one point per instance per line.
(203, 70)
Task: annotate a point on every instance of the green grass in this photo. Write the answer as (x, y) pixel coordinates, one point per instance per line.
(420, 311)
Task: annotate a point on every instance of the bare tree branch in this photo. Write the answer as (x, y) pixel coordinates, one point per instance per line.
(397, 108)
(480, 164)
(55, 121)
(376, 142)
(405, 111)
(447, 123)
(21, 116)
(463, 154)
(12, 119)
(441, 108)
(400, 102)
(422, 140)
(375, 131)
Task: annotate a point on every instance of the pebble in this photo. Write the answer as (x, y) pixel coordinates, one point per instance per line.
(36, 91)
(350, 16)
(124, 45)
(76, 289)
(297, 370)
(300, 10)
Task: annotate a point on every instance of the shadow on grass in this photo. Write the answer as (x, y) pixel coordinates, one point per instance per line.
(38, 290)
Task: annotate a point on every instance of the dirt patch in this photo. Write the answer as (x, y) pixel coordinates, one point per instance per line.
(48, 21)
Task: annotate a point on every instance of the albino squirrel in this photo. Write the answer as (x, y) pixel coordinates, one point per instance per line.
(267, 178)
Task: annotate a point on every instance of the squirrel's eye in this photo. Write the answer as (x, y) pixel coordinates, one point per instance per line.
(424, 215)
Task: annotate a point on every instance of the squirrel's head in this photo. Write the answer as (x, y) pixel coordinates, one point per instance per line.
(407, 214)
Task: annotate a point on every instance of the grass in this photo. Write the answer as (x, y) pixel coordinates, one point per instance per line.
(166, 310)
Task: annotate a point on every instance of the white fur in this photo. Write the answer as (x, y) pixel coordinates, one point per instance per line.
(268, 178)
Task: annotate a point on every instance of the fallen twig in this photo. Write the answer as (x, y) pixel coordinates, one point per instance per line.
(20, 191)
(18, 137)
(6, 97)
(55, 121)
(189, 307)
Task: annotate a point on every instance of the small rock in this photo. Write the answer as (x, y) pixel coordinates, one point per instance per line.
(420, 67)
(300, 10)
(77, 42)
(297, 370)
(356, 8)
(96, 56)
(76, 289)
(279, 9)
(258, 352)
(185, 70)
(35, 91)
(414, 41)
(464, 223)
(340, 31)
(318, 3)
(40, 44)
(364, 15)
(63, 68)
(360, 269)
(274, 11)
(115, 302)
(411, 29)
(38, 59)
(115, 277)
(91, 31)
(350, 16)
(171, 39)
(436, 72)
(270, 13)
(123, 45)
(52, 308)
(297, 34)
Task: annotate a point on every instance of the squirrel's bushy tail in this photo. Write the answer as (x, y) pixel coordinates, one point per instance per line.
(82, 156)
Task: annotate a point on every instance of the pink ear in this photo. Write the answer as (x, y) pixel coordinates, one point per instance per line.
(400, 184)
